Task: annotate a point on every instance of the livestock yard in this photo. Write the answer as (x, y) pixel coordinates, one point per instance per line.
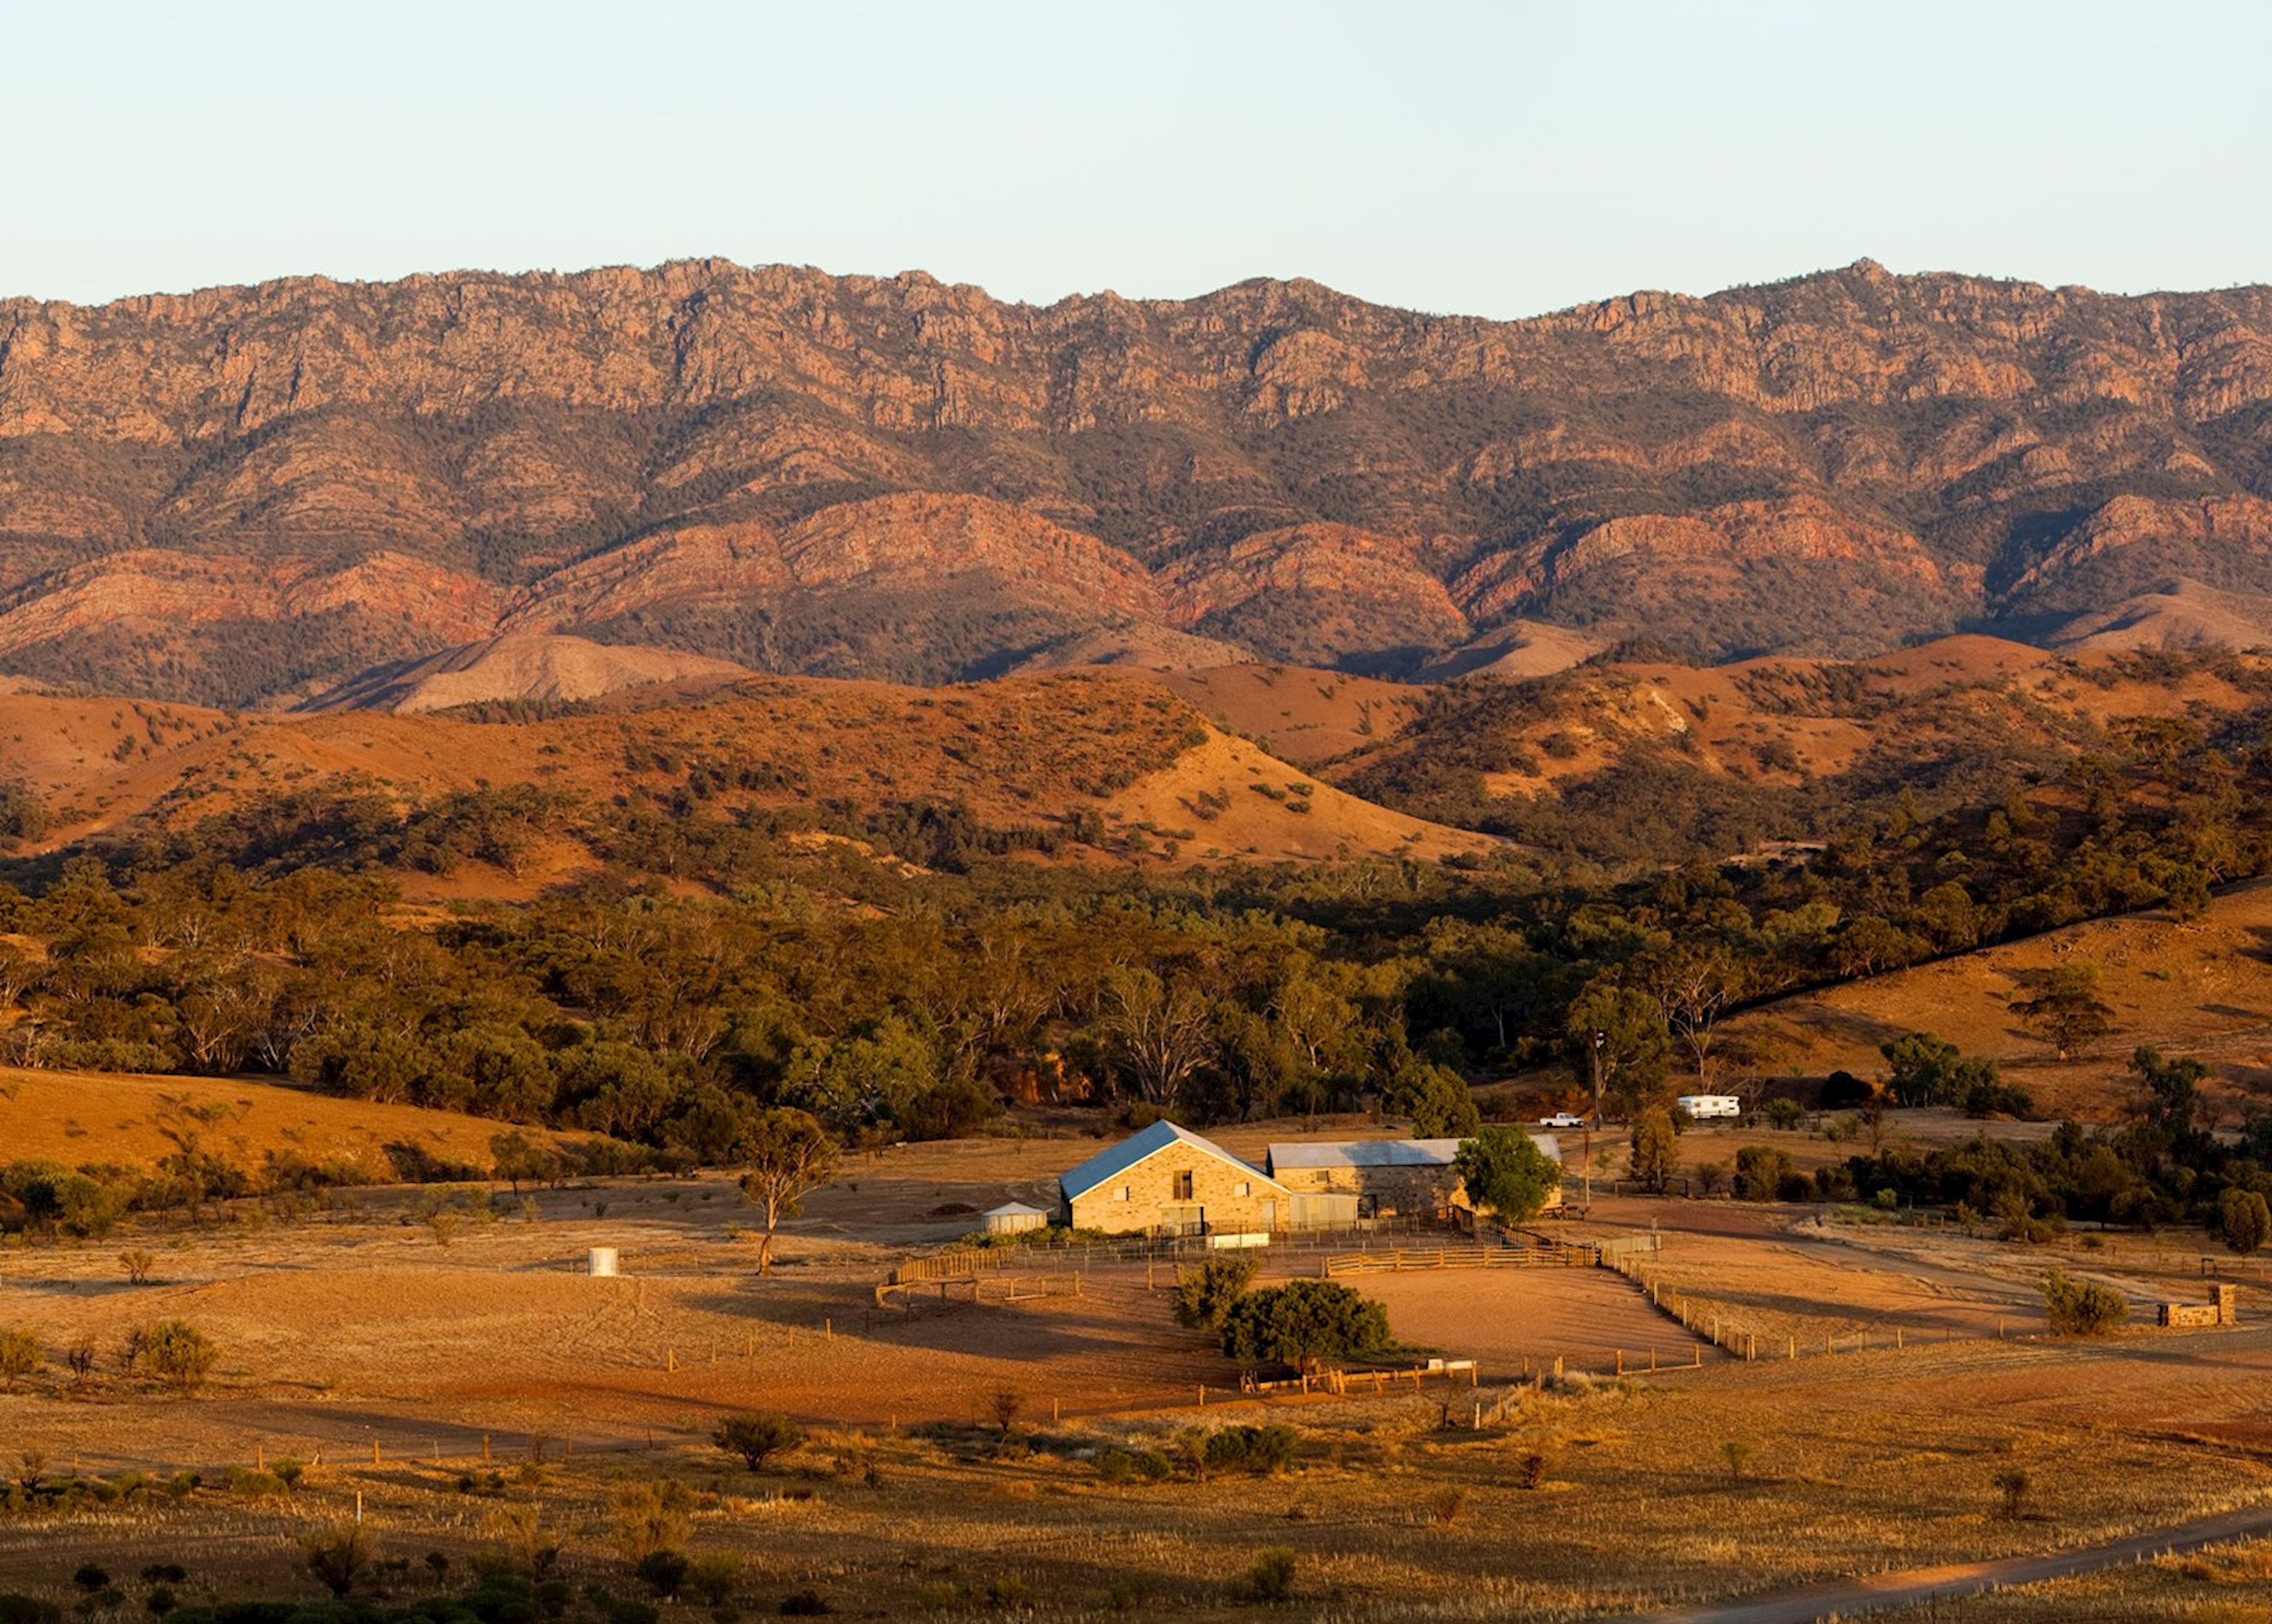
(1856, 1394)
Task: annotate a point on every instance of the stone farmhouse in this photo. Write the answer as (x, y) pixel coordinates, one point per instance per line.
(1167, 1180)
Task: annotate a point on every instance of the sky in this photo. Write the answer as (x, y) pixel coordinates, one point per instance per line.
(1496, 159)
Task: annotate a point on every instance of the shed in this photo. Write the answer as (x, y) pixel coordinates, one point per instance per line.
(1012, 1216)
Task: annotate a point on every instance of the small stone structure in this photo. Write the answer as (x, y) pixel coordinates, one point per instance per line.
(2223, 1311)
(600, 1261)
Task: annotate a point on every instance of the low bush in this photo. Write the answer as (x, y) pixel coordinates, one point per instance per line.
(1263, 1450)
(1118, 1464)
(1759, 1172)
(757, 1436)
(2082, 1307)
(1271, 1579)
(178, 1354)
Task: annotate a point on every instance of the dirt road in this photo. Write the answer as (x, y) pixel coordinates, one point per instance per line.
(1913, 1587)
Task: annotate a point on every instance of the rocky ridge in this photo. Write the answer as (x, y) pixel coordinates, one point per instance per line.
(248, 495)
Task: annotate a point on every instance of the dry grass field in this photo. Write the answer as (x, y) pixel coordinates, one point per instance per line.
(2202, 988)
(2233, 1585)
(78, 1117)
(366, 1325)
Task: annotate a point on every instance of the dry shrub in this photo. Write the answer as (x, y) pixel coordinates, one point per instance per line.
(1271, 1579)
(1445, 1504)
(2248, 1564)
(650, 1517)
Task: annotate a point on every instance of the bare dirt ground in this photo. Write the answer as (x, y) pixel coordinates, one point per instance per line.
(344, 1328)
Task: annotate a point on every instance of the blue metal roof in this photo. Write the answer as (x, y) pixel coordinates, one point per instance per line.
(1136, 1148)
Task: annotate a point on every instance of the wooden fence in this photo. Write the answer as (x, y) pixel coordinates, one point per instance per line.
(1401, 1260)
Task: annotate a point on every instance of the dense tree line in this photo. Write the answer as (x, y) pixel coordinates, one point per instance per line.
(718, 965)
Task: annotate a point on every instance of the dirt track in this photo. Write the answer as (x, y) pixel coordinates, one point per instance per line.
(1916, 1586)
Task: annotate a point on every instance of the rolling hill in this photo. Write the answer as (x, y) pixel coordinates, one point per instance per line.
(1123, 770)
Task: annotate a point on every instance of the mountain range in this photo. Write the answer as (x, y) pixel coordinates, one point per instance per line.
(308, 492)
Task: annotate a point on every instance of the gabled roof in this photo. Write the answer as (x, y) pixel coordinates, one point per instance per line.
(1014, 1209)
(1138, 1147)
(1367, 1153)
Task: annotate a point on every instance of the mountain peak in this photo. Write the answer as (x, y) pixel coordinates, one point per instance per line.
(248, 495)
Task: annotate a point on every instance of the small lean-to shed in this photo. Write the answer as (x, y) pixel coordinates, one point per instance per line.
(1012, 1216)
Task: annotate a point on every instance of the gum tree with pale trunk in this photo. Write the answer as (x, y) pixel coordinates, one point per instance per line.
(790, 1156)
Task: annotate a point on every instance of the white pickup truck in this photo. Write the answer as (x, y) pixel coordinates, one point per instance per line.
(1562, 1119)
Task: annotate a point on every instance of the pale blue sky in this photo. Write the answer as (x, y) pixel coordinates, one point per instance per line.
(1500, 159)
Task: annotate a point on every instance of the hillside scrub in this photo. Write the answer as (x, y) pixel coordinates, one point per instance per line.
(722, 963)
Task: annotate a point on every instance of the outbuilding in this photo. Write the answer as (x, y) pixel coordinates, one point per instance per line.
(1012, 1216)
(1383, 1178)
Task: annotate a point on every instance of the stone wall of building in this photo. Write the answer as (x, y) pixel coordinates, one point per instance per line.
(1224, 1197)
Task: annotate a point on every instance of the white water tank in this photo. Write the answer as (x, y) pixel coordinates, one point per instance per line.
(602, 1261)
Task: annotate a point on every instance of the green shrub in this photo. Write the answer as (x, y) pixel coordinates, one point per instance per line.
(2082, 1307)
(757, 1436)
(178, 1354)
(712, 1578)
(2244, 1219)
(1759, 1172)
(338, 1556)
(1264, 1450)
(1303, 1322)
(1205, 1295)
(1271, 1579)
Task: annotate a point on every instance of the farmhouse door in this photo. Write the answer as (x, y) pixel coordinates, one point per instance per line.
(1270, 1217)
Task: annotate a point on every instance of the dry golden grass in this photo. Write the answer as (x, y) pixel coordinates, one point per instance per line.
(2231, 1585)
(2203, 989)
(76, 1118)
(355, 1326)
(1023, 750)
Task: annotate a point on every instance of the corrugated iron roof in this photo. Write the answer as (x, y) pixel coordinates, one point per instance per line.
(1014, 1209)
(1367, 1153)
(1135, 1148)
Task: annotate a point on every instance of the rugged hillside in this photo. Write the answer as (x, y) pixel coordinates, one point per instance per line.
(247, 494)
(1648, 760)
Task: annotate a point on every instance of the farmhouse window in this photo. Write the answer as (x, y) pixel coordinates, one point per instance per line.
(1242, 1189)
(1124, 1194)
(1183, 1187)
